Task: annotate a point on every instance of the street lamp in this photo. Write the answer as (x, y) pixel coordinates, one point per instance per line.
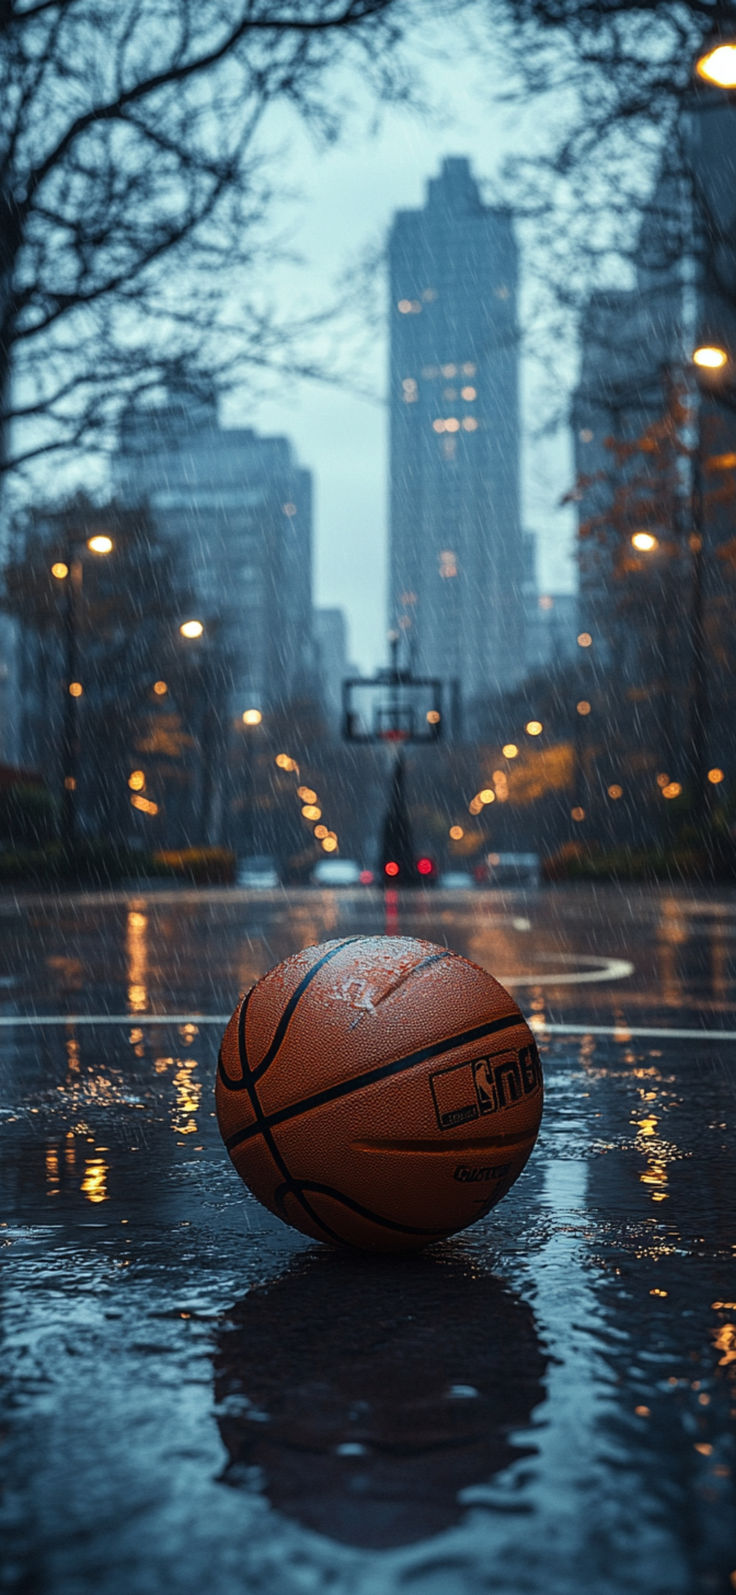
(708, 358)
(717, 62)
(69, 570)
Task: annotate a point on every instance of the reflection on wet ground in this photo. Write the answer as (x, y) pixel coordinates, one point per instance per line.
(364, 1370)
(197, 1398)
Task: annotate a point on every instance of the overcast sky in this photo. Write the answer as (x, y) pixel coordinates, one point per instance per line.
(348, 196)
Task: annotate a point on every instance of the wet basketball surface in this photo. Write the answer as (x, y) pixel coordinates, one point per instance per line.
(198, 1398)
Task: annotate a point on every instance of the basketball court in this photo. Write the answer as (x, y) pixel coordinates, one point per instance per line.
(201, 1398)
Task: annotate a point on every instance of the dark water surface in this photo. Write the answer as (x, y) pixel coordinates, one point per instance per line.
(195, 1398)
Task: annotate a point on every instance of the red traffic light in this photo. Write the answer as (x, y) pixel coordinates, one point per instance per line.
(391, 868)
(425, 866)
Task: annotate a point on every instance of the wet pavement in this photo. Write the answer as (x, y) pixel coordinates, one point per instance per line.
(196, 1398)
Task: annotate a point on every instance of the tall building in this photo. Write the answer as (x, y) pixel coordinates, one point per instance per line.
(655, 443)
(331, 638)
(456, 557)
(239, 509)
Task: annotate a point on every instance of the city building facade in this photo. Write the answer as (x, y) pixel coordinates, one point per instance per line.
(456, 555)
(655, 452)
(238, 509)
(331, 640)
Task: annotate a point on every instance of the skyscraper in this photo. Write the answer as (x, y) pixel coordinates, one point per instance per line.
(456, 557)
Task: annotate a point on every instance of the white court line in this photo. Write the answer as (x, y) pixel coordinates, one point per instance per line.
(602, 968)
(628, 1032)
(618, 1032)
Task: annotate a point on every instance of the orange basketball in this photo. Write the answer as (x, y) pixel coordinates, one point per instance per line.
(378, 1091)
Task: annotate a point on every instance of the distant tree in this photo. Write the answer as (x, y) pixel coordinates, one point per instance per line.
(126, 609)
(134, 190)
(630, 166)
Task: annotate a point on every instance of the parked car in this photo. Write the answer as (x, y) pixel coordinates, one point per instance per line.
(336, 872)
(513, 869)
(454, 880)
(258, 872)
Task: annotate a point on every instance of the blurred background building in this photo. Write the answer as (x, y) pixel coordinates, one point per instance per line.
(238, 510)
(655, 450)
(456, 557)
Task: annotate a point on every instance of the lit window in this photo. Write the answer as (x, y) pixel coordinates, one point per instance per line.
(75, 689)
(452, 424)
(534, 728)
(430, 372)
(583, 707)
(311, 811)
(428, 295)
(320, 832)
(486, 796)
(136, 780)
(449, 371)
(160, 688)
(584, 639)
(449, 393)
(468, 393)
(409, 307)
(433, 717)
(307, 794)
(448, 563)
(545, 602)
(469, 423)
(509, 750)
(290, 509)
(438, 426)
(585, 434)
(468, 369)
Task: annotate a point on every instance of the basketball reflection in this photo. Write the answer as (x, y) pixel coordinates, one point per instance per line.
(363, 1394)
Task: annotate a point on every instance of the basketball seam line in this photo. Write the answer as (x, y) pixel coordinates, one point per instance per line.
(263, 1126)
(365, 1212)
(289, 1010)
(371, 1076)
(238, 1085)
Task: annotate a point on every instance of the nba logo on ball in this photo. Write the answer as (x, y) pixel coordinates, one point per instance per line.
(378, 1092)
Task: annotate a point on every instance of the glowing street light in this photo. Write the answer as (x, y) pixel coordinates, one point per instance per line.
(100, 544)
(710, 356)
(191, 628)
(59, 570)
(645, 542)
(534, 728)
(717, 64)
(252, 717)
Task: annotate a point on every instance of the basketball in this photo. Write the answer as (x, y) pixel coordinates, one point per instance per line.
(378, 1092)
